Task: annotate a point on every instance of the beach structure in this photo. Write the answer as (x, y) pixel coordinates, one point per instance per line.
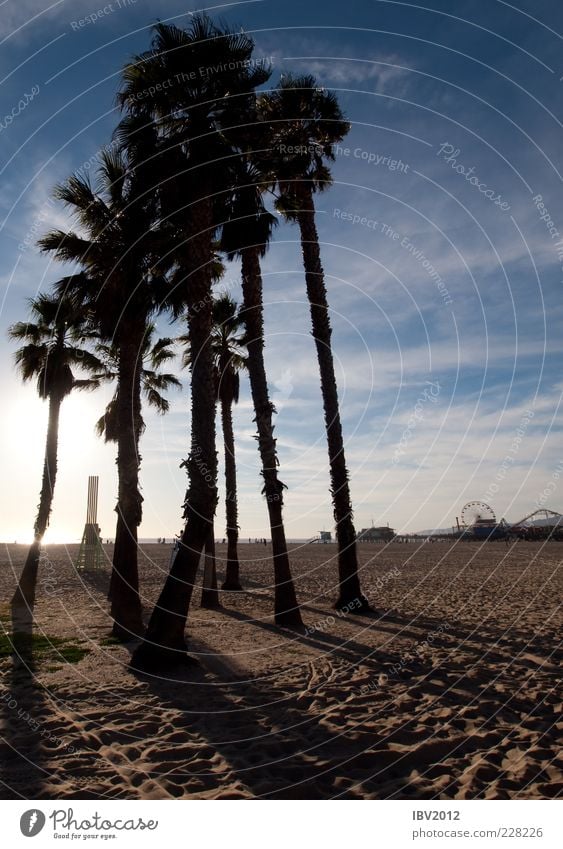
(479, 520)
(323, 537)
(480, 523)
(539, 525)
(382, 534)
(91, 553)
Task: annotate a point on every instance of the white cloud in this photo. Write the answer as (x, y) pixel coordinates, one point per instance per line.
(20, 19)
(385, 73)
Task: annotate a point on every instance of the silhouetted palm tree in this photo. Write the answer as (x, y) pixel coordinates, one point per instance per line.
(153, 381)
(120, 250)
(246, 234)
(53, 348)
(304, 123)
(193, 84)
(230, 360)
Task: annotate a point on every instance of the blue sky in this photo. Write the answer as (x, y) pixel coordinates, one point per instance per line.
(446, 301)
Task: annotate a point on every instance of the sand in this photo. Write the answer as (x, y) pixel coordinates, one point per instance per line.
(452, 690)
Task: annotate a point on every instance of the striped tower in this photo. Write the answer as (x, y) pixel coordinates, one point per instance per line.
(91, 553)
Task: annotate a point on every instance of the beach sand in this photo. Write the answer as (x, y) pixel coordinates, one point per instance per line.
(451, 690)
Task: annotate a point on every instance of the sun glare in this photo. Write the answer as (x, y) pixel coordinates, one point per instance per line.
(24, 426)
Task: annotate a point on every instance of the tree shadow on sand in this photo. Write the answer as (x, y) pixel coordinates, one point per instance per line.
(268, 744)
(306, 732)
(28, 744)
(24, 756)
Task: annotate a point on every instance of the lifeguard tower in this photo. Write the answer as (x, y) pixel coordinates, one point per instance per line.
(91, 553)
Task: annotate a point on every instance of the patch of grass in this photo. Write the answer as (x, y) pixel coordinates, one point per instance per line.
(41, 647)
(72, 652)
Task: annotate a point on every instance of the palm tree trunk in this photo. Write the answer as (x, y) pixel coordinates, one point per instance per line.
(126, 609)
(165, 642)
(209, 593)
(232, 578)
(285, 605)
(24, 596)
(349, 590)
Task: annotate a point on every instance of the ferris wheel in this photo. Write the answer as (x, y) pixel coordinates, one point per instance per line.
(477, 511)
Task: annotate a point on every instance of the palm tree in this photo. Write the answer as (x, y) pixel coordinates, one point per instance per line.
(53, 347)
(119, 248)
(209, 590)
(305, 121)
(247, 234)
(199, 81)
(230, 360)
(153, 381)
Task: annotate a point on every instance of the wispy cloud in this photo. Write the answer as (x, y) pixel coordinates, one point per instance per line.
(381, 75)
(20, 19)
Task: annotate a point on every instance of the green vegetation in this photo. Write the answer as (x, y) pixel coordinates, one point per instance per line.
(42, 647)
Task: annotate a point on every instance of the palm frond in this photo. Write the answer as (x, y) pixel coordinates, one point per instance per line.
(76, 192)
(54, 344)
(108, 424)
(87, 385)
(25, 330)
(87, 207)
(75, 289)
(161, 382)
(84, 359)
(112, 174)
(67, 247)
(30, 360)
(156, 400)
(161, 352)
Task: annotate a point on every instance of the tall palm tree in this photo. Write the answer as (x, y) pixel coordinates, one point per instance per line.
(209, 590)
(230, 359)
(199, 80)
(53, 347)
(246, 234)
(120, 249)
(153, 383)
(304, 122)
